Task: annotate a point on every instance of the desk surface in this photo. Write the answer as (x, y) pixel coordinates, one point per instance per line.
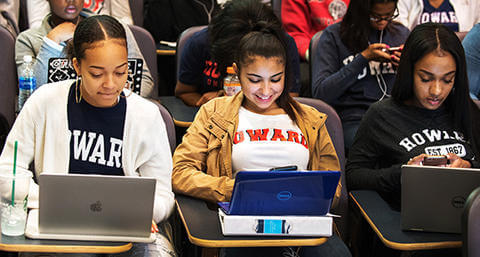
(203, 229)
(165, 50)
(386, 223)
(23, 244)
(182, 114)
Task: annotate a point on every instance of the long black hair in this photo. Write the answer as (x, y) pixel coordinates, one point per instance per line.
(427, 38)
(355, 27)
(270, 42)
(93, 29)
(235, 20)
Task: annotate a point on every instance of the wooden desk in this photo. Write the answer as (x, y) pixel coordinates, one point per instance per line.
(203, 229)
(165, 50)
(386, 223)
(23, 244)
(182, 114)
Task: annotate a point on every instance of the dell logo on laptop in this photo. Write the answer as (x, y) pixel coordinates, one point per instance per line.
(458, 202)
(284, 196)
(96, 207)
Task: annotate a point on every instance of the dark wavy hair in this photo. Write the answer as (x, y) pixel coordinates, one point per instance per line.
(355, 27)
(427, 38)
(269, 42)
(93, 29)
(235, 20)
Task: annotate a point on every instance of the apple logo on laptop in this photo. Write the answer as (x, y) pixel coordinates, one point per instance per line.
(96, 207)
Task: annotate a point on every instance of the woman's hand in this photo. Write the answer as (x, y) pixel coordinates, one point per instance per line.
(417, 160)
(375, 52)
(395, 56)
(209, 96)
(457, 162)
(62, 32)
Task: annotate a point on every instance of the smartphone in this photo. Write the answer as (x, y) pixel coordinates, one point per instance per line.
(392, 49)
(435, 160)
(284, 168)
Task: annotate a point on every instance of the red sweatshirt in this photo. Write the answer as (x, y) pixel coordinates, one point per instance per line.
(303, 18)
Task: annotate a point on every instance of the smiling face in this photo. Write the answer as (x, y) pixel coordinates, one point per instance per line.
(262, 80)
(104, 71)
(67, 10)
(383, 13)
(433, 78)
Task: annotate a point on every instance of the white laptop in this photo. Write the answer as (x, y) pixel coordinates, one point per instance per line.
(93, 208)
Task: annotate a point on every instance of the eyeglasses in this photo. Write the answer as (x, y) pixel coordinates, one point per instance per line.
(378, 18)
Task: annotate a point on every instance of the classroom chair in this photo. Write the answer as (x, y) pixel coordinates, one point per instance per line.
(182, 39)
(9, 85)
(149, 50)
(471, 225)
(277, 8)
(168, 120)
(334, 127)
(313, 62)
(136, 8)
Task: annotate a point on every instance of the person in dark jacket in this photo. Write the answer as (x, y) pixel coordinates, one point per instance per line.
(355, 69)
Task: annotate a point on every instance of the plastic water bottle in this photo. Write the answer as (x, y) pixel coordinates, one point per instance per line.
(27, 82)
(231, 83)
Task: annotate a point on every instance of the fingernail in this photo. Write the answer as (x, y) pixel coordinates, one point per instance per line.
(387, 46)
(392, 56)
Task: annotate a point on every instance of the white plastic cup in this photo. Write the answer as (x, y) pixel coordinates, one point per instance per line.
(14, 216)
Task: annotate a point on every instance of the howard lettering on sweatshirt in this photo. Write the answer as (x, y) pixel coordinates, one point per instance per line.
(90, 146)
(267, 134)
(434, 135)
(373, 68)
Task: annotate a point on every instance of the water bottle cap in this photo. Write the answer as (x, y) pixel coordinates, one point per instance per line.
(27, 58)
(230, 70)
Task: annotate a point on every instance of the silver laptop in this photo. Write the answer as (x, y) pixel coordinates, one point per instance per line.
(433, 197)
(94, 207)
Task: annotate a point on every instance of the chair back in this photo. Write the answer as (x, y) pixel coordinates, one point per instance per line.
(313, 61)
(335, 130)
(136, 8)
(471, 225)
(277, 8)
(182, 39)
(168, 120)
(8, 69)
(148, 48)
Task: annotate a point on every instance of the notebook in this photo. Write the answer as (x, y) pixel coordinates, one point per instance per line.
(282, 193)
(93, 208)
(433, 197)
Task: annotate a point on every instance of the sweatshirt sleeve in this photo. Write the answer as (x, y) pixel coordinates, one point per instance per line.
(362, 171)
(295, 19)
(190, 162)
(331, 77)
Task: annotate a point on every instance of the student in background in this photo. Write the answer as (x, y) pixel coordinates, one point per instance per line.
(302, 19)
(49, 40)
(222, 139)
(356, 68)
(471, 44)
(457, 15)
(120, 9)
(430, 113)
(122, 133)
(209, 52)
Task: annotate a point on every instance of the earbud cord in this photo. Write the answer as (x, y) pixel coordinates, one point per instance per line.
(208, 12)
(382, 85)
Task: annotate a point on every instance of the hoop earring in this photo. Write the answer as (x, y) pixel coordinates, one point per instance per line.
(77, 89)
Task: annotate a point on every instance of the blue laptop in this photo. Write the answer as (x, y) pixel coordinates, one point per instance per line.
(282, 193)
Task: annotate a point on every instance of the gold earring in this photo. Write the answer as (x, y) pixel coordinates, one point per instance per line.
(78, 99)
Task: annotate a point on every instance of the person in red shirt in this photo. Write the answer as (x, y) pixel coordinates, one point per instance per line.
(302, 19)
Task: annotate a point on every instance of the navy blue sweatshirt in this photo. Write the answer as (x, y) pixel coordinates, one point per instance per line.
(347, 80)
